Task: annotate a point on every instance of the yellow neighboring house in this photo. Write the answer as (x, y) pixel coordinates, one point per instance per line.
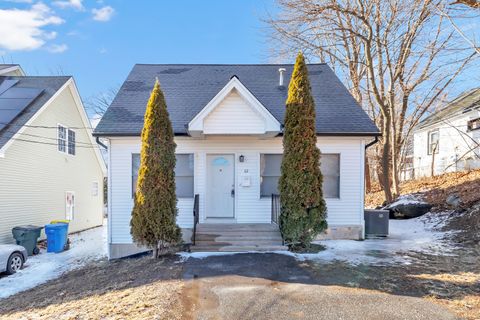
(50, 165)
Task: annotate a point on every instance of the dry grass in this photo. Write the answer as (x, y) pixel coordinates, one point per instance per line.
(436, 189)
(140, 288)
(158, 300)
(461, 278)
(467, 307)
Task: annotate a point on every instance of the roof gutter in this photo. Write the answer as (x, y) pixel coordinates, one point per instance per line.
(371, 143)
(97, 139)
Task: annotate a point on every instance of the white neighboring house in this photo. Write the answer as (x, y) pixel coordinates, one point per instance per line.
(227, 121)
(50, 165)
(11, 70)
(448, 140)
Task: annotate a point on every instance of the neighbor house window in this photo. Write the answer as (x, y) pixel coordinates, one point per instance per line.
(71, 142)
(183, 174)
(66, 140)
(473, 124)
(330, 168)
(433, 141)
(62, 138)
(269, 174)
(95, 188)
(69, 205)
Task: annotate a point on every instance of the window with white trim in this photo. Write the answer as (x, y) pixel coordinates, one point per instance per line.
(330, 168)
(66, 140)
(270, 171)
(184, 177)
(270, 165)
(62, 138)
(433, 141)
(71, 142)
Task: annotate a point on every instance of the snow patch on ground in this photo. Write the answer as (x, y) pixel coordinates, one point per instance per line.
(85, 247)
(420, 235)
(202, 255)
(406, 199)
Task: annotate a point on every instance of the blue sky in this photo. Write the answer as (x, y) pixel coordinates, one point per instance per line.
(98, 42)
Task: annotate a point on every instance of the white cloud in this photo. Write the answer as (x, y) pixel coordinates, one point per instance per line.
(57, 48)
(103, 50)
(24, 29)
(103, 14)
(20, 1)
(67, 4)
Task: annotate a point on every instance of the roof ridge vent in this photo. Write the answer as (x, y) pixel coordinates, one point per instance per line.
(281, 71)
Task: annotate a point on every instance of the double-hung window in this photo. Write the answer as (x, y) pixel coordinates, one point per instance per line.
(66, 140)
(71, 142)
(270, 170)
(433, 141)
(270, 165)
(62, 138)
(184, 175)
(330, 168)
(184, 178)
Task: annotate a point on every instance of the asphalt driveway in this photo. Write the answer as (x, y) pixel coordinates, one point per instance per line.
(272, 286)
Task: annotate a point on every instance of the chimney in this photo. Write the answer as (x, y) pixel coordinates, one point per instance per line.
(281, 71)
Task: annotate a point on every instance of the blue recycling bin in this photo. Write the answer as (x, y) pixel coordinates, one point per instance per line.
(56, 236)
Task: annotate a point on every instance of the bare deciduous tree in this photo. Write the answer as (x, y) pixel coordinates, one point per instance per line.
(98, 104)
(397, 57)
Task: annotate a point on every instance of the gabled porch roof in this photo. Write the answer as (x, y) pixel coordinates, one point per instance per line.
(235, 116)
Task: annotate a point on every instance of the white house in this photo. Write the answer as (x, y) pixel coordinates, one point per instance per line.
(227, 121)
(11, 70)
(50, 165)
(448, 139)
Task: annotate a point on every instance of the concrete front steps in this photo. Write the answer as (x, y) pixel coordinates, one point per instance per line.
(237, 238)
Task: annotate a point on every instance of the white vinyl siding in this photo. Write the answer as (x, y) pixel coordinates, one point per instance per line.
(35, 177)
(235, 116)
(455, 141)
(347, 209)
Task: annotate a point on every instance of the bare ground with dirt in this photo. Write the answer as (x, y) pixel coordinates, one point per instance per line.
(436, 189)
(137, 288)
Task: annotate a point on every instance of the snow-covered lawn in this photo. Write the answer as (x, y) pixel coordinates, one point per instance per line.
(85, 247)
(406, 236)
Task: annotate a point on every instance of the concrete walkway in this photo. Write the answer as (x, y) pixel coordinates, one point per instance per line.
(272, 286)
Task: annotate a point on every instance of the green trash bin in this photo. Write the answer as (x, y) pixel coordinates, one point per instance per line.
(27, 237)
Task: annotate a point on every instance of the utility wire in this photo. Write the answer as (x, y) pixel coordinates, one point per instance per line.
(41, 127)
(44, 137)
(54, 144)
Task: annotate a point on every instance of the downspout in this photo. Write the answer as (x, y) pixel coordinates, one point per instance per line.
(371, 143)
(97, 139)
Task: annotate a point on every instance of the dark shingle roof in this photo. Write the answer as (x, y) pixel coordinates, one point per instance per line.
(188, 89)
(463, 103)
(49, 85)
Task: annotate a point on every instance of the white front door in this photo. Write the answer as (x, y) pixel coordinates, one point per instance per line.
(220, 186)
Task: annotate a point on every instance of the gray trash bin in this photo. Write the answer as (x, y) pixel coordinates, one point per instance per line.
(376, 223)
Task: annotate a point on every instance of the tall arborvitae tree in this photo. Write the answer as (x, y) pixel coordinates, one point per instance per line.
(303, 209)
(154, 213)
